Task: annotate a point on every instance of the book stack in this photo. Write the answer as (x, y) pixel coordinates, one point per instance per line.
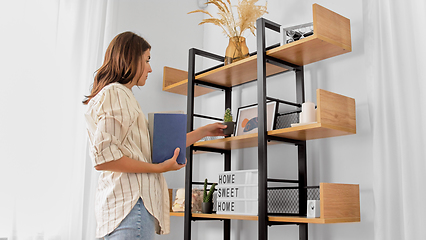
(237, 192)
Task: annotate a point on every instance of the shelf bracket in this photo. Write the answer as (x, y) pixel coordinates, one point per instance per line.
(281, 63)
(211, 85)
(270, 224)
(285, 140)
(206, 149)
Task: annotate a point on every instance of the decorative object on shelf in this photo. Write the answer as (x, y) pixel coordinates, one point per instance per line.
(237, 192)
(233, 28)
(294, 33)
(228, 121)
(308, 114)
(247, 121)
(313, 210)
(179, 203)
(197, 200)
(236, 50)
(207, 198)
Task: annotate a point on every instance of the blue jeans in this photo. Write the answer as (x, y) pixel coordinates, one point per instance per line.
(138, 225)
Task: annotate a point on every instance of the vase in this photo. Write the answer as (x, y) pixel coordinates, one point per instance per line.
(236, 50)
(207, 207)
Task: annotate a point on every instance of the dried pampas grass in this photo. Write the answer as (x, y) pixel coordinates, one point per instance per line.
(248, 13)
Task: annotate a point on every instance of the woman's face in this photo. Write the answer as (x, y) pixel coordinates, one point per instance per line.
(146, 68)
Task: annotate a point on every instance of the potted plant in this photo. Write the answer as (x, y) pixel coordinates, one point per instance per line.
(228, 121)
(207, 206)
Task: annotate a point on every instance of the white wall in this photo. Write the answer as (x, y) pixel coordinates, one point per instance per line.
(346, 159)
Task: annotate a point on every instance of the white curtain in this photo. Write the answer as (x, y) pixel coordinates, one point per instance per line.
(395, 51)
(49, 52)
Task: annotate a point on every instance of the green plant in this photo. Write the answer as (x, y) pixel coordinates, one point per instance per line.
(207, 197)
(228, 116)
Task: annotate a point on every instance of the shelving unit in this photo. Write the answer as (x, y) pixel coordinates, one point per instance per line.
(335, 117)
(339, 204)
(332, 37)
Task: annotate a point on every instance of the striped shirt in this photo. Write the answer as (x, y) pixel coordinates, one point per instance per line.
(117, 126)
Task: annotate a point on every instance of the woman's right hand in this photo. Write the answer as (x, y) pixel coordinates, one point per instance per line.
(171, 164)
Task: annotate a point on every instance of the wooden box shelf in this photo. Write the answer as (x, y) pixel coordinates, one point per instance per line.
(332, 37)
(339, 204)
(335, 117)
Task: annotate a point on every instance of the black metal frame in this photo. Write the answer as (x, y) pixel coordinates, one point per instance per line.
(263, 138)
(190, 126)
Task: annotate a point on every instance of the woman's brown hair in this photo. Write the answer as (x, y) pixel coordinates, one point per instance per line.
(123, 57)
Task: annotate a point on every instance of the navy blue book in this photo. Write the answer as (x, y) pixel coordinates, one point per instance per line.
(167, 132)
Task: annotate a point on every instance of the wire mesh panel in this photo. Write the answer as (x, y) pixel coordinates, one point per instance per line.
(285, 120)
(286, 200)
(283, 200)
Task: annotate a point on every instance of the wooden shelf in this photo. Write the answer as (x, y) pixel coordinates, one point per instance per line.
(332, 37)
(339, 204)
(271, 218)
(336, 116)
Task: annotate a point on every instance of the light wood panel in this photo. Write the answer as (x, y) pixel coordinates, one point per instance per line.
(172, 76)
(339, 201)
(305, 132)
(310, 132)
(177, 214)
(332, 27)
(312, 220)
(216, 216)
(271, 218)
(305, 51)
(336, 110)
(176, 81)
(229, 143)
(230, 75)
(237, 73)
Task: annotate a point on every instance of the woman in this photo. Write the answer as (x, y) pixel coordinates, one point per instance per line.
(132, 197)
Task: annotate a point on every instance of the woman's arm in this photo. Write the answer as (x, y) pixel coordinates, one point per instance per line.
(214, 129)
(129, 165)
